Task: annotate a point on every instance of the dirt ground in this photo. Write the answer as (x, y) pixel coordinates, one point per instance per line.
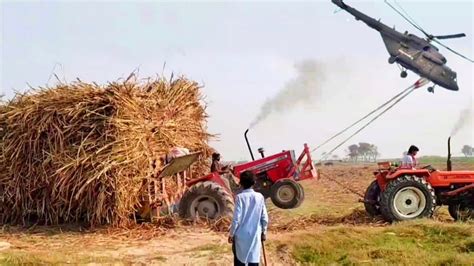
(328, 207)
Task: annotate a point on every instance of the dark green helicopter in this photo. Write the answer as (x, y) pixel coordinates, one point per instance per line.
(412, 52)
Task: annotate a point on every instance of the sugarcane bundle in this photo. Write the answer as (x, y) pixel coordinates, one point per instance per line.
(82, 152)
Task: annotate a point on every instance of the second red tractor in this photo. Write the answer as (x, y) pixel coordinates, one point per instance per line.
(277, 175)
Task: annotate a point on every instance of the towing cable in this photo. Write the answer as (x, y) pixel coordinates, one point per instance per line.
(395, 99)
(353, 191)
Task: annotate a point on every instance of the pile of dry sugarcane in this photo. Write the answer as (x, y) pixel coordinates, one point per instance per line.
(82, 152)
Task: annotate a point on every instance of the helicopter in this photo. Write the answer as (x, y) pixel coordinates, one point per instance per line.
(412, 52)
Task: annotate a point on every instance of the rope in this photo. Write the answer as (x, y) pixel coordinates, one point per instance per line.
(353, 191)
(368, 123)
(367, 115)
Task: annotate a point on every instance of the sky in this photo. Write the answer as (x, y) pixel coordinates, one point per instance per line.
(246, 52)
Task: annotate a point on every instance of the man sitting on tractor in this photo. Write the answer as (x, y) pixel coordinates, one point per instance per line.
(216, 166)
(224, 171)
(409, 160)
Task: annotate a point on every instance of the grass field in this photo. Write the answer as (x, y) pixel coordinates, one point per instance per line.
(420, 242)
(330, 228)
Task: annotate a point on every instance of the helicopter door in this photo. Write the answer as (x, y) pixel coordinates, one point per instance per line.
(432, 58)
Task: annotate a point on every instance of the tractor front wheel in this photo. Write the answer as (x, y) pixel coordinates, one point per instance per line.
(407, 198)
(206, 199)
(287, 194)
(372, 199)
(461, 212)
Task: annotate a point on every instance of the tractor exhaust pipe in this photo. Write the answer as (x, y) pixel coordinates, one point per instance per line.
(248, 144)
(448, 162)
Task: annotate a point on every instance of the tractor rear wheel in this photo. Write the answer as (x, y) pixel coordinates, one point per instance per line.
(300, 187)
(372, 199)
(286, 194)
(461, 212)
(206, 199)
(407, 198)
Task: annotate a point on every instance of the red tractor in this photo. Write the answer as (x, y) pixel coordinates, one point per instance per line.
(277, 175)
(404, 194)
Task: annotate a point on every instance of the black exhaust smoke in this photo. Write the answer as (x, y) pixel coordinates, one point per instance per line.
(448, 162)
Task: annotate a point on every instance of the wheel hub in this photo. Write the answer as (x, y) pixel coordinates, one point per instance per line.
(409, 202)
(205, 206)
(286, 193)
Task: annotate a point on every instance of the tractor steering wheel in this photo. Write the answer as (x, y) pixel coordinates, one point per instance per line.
(429, 168)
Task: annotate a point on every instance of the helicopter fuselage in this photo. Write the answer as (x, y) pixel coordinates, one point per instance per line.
(410, 51)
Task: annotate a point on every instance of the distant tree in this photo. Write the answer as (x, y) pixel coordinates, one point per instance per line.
(374, 153)
(353, 152)
(364, 150)
(467, 150)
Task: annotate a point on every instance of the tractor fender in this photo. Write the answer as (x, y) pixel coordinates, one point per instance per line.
(412, 172)
(384, 177)
(213, 177)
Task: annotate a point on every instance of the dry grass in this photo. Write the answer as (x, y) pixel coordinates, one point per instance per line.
(330, 228)
(82, 152)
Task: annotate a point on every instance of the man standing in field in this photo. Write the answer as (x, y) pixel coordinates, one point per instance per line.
(249, 225)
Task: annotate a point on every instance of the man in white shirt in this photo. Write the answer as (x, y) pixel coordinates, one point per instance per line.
(250, 222)
(409, 160)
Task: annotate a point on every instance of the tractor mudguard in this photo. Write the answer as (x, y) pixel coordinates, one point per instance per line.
(384, 177)
(213, 177)
(412, 172)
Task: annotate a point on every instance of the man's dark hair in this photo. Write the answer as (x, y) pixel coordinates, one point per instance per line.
(247, 179)
(412, 149)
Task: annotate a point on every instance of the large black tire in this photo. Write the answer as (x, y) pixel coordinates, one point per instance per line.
(461, 212)
(301, 195)
(407, 198)
(206, 199)
(372, 199)
(286, 194)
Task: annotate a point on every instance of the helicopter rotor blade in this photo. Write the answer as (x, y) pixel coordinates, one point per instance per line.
(408, 15)
(451, 36)
(454, 52)
(407, 18)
